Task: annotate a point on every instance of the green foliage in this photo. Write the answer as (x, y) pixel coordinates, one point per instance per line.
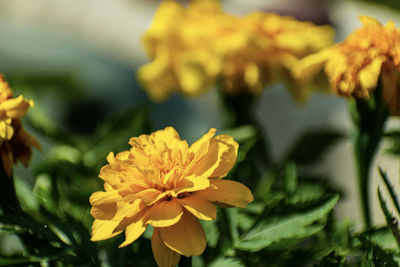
(296, 225)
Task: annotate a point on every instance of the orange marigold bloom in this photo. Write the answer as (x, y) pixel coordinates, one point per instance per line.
(354, 66)
(192, 48)
(15, 143)
(163, 182)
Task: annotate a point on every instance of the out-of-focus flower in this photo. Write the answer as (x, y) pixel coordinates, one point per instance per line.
(195, 47)
(163, 182)
(354, 67)
(15, 143)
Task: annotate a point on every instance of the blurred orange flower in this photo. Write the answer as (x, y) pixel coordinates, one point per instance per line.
(163, 182)
(15, 143)
(193, 48)
(354, 66)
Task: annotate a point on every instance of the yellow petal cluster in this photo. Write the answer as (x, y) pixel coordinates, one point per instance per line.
(355, 66)
(163, 182)
(15, 143)
(192, 48)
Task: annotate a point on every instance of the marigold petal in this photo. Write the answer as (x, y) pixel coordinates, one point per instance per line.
(366, 20)
(228, 157)
(199, 207)
(200, 147)
(104, 229)
(227, 192)
(15, 108)
(186, 237)
(191, 184)
(369, 75)
(219, 159)
(101, 197)
(127, 209)
(132, 232)
(104, 212)
(164, 213)
(149, 196)
(164, 256)
(307, 68)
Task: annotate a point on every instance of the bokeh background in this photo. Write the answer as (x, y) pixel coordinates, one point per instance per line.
(77, 59)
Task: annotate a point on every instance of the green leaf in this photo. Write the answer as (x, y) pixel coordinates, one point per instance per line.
(390, 220)
(226, 262)
(311, 146)
(375, 255)
(390, 189)
(212, 233)
(296, 225)
(241, 133)
(13, 261)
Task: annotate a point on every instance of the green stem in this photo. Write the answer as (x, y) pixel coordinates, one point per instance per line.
(369, 117)
(239, 110)
(185, 262)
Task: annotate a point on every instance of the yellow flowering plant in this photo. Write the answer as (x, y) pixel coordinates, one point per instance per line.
(222, 200)
(192, 48)
(163, 182)
(15, 143)
(363, 68)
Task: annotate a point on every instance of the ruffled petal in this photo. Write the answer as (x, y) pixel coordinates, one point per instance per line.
(132, 232)
(227, 157)
(15, 108)
(200, 147)
(218, 160)
(101, 197)
(199, 207)
(104, 212)
(164, 256)
(191, 184)
(227, 192)
(307, 68)
(369, 75)
(102, 229)
(164, 213)
(186, 237)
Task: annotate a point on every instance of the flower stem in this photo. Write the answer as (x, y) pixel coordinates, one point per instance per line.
(185, 262)
(369, 117)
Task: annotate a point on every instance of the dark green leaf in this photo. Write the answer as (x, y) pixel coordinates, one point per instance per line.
(226, 262)
(296, 225)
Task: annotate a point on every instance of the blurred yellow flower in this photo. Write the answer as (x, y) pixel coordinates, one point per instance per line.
(15, 143)
(195, 47)
(354, 66)
(163, 182)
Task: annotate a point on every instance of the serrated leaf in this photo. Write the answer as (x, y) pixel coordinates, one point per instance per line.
(311, 146)
(375, 255)
(296, 225)
(389, 187)
(226, 262)
(390, 220)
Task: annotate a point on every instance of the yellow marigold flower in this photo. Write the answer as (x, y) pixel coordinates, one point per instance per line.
(354, 66)
(15, 143)
(194, 47)
(163, 182)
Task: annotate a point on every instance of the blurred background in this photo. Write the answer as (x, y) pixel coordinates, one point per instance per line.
(77, 59)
